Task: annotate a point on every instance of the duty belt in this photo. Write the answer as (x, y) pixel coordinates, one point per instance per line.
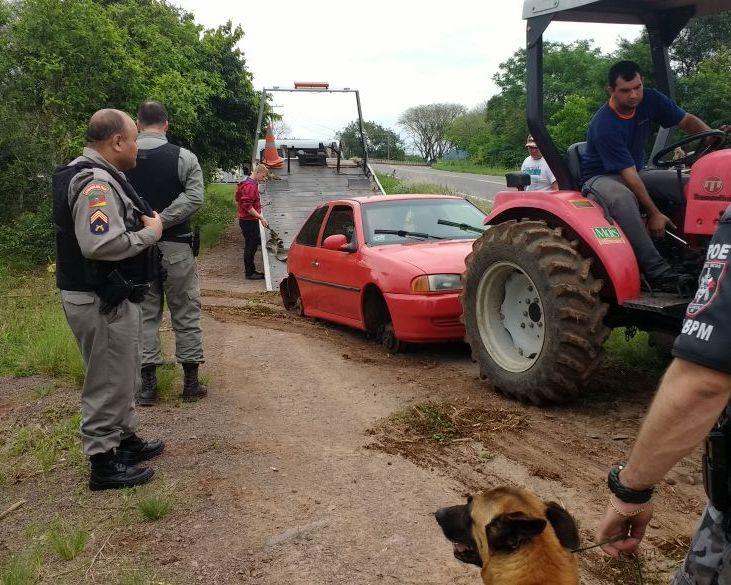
(180, 239)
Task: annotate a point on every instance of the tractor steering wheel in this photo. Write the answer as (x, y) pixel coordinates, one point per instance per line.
(711, 140)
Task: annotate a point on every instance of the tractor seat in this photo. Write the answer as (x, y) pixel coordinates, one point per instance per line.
(573, 158)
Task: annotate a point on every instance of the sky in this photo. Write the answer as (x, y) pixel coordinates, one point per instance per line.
(397, 54)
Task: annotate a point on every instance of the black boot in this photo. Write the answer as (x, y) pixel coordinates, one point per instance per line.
(674, 282)
(108, 473)
(134, 450)
(193, 390)
(147, 395)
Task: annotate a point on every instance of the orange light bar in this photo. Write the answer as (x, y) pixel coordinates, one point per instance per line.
(311, 85)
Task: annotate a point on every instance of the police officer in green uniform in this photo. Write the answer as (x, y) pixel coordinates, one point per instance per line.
(691, 404)
(170, 179)
(103, 265)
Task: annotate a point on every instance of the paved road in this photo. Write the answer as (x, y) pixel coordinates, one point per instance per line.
(483, 186)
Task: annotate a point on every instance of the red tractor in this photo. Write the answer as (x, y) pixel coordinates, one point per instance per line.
(553, 274)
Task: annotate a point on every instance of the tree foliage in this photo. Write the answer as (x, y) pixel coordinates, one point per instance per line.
(702, 39)
(380, 141)
(575, 87)
(428, 127)
(60, 60)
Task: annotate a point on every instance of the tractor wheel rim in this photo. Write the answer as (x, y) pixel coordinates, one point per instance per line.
(510, 317)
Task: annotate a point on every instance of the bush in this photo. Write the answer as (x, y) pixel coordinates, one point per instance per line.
(218, 212)
(29, 239)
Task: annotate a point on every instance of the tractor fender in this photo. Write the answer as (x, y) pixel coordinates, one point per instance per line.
(586, 221)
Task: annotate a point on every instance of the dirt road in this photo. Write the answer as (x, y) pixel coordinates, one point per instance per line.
(354, 490)
(320, 459)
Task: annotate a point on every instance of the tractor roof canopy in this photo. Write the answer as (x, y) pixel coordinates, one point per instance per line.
(619, 11)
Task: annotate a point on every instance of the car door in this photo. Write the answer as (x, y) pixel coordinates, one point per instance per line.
(302, 261)
(341, 272)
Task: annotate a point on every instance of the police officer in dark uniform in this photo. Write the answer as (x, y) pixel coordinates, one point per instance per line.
(689, 406)
(104, 238)
(170, 179)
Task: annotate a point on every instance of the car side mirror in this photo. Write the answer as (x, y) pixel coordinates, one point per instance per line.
(517, 180)
(337, 242)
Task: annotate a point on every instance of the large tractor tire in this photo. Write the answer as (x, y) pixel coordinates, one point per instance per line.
(532, 312)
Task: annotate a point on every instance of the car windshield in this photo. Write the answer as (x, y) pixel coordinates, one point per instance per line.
(394, 222)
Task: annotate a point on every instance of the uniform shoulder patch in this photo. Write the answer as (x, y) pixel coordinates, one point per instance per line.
(96, 187)
(709, 284)
(96, 200)
(98, 222)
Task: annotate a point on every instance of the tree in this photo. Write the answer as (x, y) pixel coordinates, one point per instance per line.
(703, 38)
(707, 92)
(574, 74)
(60, 60)
(466, 130)
(380, 141)
(281, 129)
(428, 127)
(569, 124)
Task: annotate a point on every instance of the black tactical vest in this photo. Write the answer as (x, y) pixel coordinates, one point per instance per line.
(156, 179)
(73, 270)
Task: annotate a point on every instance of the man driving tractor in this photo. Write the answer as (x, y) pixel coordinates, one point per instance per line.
(613, 172)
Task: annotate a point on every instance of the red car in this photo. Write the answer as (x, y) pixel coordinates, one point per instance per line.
(388, 265)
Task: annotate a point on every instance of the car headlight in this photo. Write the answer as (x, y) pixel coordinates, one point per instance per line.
(434, 283)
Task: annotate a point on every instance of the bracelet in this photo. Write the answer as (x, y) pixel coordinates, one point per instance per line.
(625, 514)
(624, 493)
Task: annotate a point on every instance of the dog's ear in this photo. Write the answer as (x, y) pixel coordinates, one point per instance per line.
(508, 531)
(563, 525)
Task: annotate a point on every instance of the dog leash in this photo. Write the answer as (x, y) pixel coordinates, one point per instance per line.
(638, 566)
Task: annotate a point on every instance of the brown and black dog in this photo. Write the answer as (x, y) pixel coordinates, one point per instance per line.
(515, 537)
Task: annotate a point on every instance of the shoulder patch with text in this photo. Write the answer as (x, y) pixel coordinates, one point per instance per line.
(709, 283)
(608, 235)
(96, 187)
(98, 223)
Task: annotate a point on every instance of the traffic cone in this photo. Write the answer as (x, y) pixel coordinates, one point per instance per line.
(271, 156)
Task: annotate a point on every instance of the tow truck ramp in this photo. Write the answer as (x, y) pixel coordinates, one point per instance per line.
(298, 187)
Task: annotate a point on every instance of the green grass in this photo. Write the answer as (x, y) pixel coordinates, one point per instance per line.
(168, 383)
(34, 335)
(635, 354)
(393, 186)
(154, 506)
(466, 166)
(218, 212)
(21, 570)
(43, 444)
(65, 541)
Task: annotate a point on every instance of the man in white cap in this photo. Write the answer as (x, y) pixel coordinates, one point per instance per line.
(541, 177)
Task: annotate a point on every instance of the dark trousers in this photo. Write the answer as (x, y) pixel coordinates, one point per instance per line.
(252, 237)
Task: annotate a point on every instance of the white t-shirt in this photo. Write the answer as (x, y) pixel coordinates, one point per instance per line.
(541, 176)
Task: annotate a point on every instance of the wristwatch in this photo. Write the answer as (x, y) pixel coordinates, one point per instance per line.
(627, 495)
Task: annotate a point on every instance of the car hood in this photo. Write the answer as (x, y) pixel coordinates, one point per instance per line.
(430, 257)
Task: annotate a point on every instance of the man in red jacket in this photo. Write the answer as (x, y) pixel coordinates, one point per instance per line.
(249, 203)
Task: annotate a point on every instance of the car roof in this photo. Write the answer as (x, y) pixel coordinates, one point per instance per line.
(396, 197)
